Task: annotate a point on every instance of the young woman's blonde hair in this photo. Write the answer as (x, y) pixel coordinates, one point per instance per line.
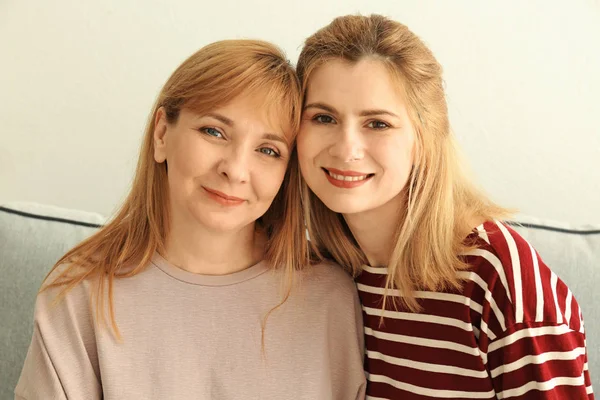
(441, 204)
(210, 78)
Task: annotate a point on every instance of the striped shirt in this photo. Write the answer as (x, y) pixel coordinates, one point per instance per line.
(514, 331)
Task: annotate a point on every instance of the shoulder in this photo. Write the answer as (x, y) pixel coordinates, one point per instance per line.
(328, 279)
(62, 305)
(500, 256)
(522, 286)
(327, 273)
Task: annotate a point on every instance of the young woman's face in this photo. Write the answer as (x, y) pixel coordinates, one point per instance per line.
(224, 167)
(356, 142)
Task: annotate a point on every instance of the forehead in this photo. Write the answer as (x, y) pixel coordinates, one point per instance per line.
(256, 110)
(366, 84)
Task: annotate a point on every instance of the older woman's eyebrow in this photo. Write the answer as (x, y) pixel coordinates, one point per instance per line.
(275, 137)
(220, 117)
(229, 122)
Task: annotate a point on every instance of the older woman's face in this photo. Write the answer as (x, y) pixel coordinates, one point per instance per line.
(225, 167)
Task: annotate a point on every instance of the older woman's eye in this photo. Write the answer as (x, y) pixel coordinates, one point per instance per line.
(269, 152)
(211, 132)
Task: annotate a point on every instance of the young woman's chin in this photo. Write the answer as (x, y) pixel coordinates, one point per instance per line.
(347, 204)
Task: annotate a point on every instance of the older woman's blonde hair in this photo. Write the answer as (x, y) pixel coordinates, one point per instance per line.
(208, 79)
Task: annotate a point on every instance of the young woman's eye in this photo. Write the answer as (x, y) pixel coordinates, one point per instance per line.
(269, 152)
(323, 119)
(211, 132)
(378, 125)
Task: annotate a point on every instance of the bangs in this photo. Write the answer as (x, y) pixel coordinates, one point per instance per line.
(256, 71)
(273, 102)
(280, 107)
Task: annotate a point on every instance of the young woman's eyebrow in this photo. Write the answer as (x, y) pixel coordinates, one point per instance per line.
(364, 113)
(321, 106)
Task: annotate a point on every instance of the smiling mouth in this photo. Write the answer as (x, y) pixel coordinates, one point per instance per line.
(223, 198)
(350, 176)
(346, 179)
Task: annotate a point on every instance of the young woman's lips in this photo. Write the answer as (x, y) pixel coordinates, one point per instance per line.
(223, 198)
(346, 179)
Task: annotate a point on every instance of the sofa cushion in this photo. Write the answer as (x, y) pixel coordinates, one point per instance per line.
(32, 238)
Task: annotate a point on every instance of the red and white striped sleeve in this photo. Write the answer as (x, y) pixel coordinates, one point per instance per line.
(540, 350)
(540, 361)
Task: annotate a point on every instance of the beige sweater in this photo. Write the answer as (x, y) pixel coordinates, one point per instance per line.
(189, 336)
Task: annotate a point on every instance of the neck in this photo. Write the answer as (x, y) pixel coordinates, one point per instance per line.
(375, 230)
(203, 251)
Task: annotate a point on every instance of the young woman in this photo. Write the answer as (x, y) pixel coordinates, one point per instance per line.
(170, 300)
(455, 303)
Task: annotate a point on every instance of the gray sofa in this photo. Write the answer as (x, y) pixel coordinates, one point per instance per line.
(33, 237)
